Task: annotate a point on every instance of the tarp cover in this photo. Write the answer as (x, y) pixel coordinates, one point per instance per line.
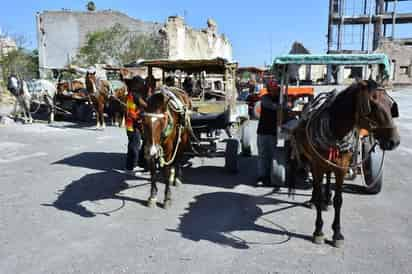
(335, 59)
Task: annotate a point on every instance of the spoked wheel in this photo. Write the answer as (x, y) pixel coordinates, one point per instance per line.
(372, 167)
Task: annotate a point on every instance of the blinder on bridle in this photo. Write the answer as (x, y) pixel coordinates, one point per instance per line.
(394, 109)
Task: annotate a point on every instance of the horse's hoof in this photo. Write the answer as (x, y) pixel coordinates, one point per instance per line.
(338, 243)
(167, 204)
(319, 239)
(151, 203)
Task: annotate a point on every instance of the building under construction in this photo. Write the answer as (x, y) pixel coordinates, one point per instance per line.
(365, 26)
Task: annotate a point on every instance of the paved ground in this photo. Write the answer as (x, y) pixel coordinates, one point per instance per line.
(67, 207)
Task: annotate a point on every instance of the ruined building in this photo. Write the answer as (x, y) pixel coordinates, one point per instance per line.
(366, 26)
(61, 34)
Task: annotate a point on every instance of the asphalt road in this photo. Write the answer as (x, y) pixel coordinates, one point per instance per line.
(67, 207)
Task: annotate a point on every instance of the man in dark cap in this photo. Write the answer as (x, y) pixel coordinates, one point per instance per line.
(266, 132)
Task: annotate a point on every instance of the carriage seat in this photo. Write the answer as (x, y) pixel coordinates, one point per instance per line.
(209, 121)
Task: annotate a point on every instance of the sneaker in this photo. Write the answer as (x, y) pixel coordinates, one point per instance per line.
(259, 181)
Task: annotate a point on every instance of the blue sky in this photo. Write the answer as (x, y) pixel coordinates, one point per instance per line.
(252, 26)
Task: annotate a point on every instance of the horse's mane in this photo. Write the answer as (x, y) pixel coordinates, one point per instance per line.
(346, 100)
(156, 102)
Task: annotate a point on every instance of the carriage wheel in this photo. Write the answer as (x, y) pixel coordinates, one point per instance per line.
(372, 168)
(82, 112)
(231, 155)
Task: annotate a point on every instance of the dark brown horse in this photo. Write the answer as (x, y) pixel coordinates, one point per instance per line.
(101, 93)
(325, 141)
(166, 135)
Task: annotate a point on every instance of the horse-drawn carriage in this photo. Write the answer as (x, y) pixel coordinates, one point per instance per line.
(211, 86)
(367, 159)
(71, 97)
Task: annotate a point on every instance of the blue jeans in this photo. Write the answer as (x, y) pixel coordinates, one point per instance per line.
(266, 146)
(133, 148)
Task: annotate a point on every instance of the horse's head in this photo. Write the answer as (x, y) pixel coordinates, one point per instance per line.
(377, 110)
(155, 121)
(91, 82)
(13, 82)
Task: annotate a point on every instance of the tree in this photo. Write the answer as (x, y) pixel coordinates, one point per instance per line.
(118, 46)
(22, 62)
(91, 6)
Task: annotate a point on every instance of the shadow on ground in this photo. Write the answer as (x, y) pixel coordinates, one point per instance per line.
(219, 177)
(92, 188)
(106, 161)
(216, 217)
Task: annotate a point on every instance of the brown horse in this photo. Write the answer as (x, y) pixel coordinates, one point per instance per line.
(100, 93)
(166, 135)
(325, 141)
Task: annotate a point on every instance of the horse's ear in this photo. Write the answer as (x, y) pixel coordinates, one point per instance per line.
(364, 106)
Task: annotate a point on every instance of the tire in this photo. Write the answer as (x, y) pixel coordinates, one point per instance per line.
(231, 155)
(372, 167)
(279, 167)
(82, 112)
(246, 137)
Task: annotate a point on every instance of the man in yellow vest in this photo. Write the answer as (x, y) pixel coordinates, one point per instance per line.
(134, 104)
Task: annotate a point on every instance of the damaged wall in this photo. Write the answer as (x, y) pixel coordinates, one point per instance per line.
(60, 35)
(187, 43)
(401, 57)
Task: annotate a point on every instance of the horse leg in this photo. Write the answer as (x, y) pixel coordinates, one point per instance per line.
(318, 236)
(179, 175)
(26, 111)
(50, 106)
(97, 110)
(328, 191)
(337, 204)
(151, 202)
(169, 175)
(101, 113)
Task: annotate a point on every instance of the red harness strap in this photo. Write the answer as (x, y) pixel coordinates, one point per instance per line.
(333, 154)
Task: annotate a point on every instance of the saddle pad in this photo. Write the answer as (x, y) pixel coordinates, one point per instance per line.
(174, 100)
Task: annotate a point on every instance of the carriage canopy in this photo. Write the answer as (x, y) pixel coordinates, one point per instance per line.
(335, 59)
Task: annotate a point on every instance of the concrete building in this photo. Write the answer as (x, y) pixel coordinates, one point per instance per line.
(371, 26)
(187, 43)
(7, 44)
(401, 57)
(61, 34)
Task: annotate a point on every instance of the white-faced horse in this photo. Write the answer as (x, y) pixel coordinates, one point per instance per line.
(39, 92)
(18, 88)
